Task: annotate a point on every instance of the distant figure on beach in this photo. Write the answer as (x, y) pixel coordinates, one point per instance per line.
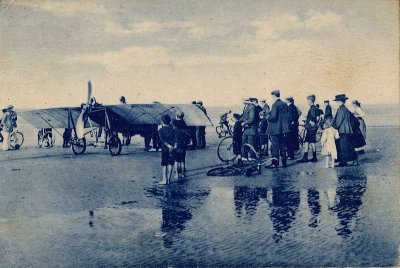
(8, 122)
(328, 142)
(292, 140)
(167, 138)
(193, 134)
(201, 130)
(342, 122)
(278, 127)
(126, 137)
(311, 126)
(249, 125)
(360, 115)
(328, 110)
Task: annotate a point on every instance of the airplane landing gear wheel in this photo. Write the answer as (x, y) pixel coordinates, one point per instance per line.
(79, 146)
(114, 145)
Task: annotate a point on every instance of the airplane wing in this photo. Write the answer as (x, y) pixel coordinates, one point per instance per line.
(50, 118)
(150, 114)
(122, 117)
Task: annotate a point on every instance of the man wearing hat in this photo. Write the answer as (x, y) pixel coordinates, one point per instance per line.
(249, 123)
(342, 122)
(8, 124)
(278, 128)
(292, 140)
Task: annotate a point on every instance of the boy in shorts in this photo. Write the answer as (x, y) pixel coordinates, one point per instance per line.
(311, 126)
(182, 139)
(167, 138)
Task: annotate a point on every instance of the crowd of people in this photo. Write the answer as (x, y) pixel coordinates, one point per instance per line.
(343, 136)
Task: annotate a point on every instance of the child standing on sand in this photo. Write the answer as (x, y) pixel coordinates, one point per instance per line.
(329, 135)
(182, 139)
(167, 138)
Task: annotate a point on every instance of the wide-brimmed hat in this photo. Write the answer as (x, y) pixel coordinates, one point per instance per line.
(341, 97)
(10, 107)
(246, 100)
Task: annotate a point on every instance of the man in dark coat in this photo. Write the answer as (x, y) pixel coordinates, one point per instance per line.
(342, 122)
(249, 124)
(277, 128)
(292, 140)
(258, 110)
(328, 110)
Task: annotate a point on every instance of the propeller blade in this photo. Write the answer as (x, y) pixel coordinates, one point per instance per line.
(89, 92)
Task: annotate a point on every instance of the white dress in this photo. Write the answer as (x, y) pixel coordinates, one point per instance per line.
(328, 138)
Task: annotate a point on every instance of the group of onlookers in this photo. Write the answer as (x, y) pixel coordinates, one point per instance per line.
(343, 134)
(7, 124)
(175, 138)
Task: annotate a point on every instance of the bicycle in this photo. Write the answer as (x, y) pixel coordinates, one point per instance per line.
(16, 140)
(46, 138)
(253, 163)
(224, 128)
(302, 137)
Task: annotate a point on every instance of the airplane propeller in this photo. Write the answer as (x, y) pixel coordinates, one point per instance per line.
(89, 92)
(80, 122)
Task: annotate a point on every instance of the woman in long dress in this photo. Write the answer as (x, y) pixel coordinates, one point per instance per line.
(342, 122)
(360, 115)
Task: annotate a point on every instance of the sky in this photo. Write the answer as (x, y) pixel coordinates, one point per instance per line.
(179, 51)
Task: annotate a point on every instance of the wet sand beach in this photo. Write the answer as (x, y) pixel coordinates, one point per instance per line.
(61, 210)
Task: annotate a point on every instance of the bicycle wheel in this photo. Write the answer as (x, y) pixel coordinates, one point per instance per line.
(225, 150)
(251, 154)
(114, 145)
(223, 171)
(16, 140)
(300, 146)
(48, 140)
(78, 146)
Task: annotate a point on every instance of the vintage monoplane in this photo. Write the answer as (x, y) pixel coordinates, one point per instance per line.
(129, 119)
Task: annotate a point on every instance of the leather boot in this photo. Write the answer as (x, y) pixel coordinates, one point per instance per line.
(304, 159)
(314, 158)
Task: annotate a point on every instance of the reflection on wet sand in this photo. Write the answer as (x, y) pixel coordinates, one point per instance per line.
(344, 200)
(313, 200)
(348, 201)
(177, 207)
(284, 207)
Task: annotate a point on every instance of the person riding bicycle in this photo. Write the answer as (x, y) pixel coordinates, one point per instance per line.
(224, 119)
